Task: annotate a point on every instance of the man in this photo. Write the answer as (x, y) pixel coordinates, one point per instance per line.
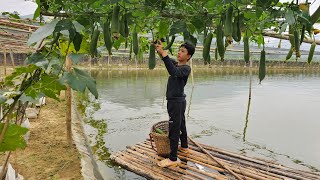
(176, 102)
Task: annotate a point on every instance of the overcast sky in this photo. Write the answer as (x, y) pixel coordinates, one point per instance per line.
(27, 7)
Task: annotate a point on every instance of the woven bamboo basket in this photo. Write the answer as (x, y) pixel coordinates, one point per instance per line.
(161, 140)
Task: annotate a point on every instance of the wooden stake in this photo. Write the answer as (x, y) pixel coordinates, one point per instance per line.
(68, 101)
(222, 165)
(5, 61)
(11, 56)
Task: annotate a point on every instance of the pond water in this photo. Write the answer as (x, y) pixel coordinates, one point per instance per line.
(283, 123)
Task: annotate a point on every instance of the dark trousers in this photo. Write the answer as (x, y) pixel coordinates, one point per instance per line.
(177, 123)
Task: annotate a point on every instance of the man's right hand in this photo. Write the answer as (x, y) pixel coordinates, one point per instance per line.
(159, 48)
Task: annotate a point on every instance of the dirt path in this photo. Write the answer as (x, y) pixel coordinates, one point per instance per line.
(48, 155)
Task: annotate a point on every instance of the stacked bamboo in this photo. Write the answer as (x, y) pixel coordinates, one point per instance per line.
(142, 160)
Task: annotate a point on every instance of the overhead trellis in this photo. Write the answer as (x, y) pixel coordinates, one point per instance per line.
(14, 35)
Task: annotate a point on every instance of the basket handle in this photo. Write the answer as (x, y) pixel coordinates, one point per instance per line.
(151, 142)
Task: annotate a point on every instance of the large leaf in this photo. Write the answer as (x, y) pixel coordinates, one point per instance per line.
(19, 71)
(37, 59)
(76, 57)
(177, 27)
(78, 26)
(48, 85)
(290, 17)
(37, 11)
(163, 28)
(80, 80)
(42, 32)
(13, 138)
(66, 24)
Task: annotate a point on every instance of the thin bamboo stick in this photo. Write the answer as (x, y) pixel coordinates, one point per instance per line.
(272, 167)
(213, 158)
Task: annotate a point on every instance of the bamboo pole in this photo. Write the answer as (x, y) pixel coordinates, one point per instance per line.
(271, 167)
(131, 166)
(174, 168)
(68, 101)
(142, 158)
(212, 175)
(144, 166)
(196, 157)
(276, 35)
(221, 164)
(5, 61)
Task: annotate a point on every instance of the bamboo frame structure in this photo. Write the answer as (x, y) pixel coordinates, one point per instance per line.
(142, 159)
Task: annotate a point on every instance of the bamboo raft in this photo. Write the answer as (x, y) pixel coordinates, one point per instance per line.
(142, 159)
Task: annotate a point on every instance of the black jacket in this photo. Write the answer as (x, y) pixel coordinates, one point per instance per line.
(177, 80)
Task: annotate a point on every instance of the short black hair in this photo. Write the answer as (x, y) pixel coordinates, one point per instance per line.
(190, 48)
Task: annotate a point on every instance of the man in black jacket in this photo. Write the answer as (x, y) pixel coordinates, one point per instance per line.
(176, 99)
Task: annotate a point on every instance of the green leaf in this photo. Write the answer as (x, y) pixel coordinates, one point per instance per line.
(54, 62)
(198, 23)
(48, 85)
(66, 24)
(258, 13)
(156, 3)
(177, 27)
(80, 80)
(117, 43)
(19, 71)
(76, 57)
(37, 59)
(25, 98)
(290, 17)
(2, 99)
(283, 28)
(78, 26)
(36, 13)
(13, 138)
(42, 32)
(164, 27)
